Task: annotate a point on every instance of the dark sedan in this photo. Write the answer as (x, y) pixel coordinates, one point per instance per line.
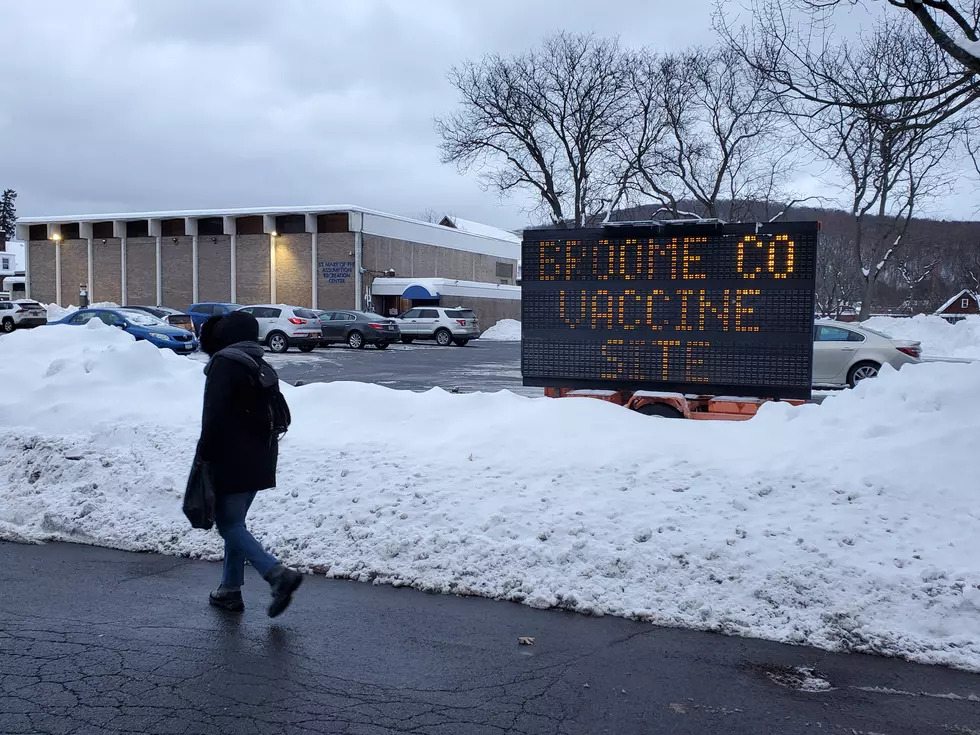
(357, 328)
(173, 317)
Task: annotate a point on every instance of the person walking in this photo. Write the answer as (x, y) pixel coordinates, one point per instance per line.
(239, 446)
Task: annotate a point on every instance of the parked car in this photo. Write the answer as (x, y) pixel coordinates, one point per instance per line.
(282, 327)
(200, 313)
(21, 314)
(141, 325)
(846, 354)
(357, 328)
(445, 325)
(171, 316)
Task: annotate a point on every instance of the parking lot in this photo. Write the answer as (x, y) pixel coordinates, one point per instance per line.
(480, 366)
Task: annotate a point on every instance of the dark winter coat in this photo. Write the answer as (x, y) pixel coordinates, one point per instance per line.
(236, 438)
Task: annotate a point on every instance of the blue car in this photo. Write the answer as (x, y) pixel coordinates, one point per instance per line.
(139, 324)
(200, 313)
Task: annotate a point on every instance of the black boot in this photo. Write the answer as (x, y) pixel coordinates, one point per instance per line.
(227, 600)
(284, 582)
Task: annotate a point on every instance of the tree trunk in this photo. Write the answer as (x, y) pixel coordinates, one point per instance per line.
(869, 292)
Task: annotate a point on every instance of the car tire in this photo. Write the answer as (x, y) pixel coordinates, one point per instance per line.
(662, 410)
(382, 345)
(307, 348)
(278, 342)
(407, 340)
(8, 325)
(355, 340)
(461, 342)
(444, 337)
(862, 371)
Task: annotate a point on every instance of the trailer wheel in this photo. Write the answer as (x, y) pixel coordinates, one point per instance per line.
(660, 409)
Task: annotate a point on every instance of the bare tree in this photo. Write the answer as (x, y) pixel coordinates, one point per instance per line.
(914, 269)
(545, 121)
(787, 41)
(704, 131)
(966, 266)
(886, 168)
(838, 288)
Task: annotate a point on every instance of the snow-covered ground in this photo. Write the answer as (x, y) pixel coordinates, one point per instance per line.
(851, 526)
(506, 330)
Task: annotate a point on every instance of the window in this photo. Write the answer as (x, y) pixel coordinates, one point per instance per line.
(831, 334)
(412, 314)
(111, 318)
(142, 319)
(5, 265)
(304, 313)
(836, 334)
(82, 317)
(249, 310)
(964, 303)
(461, 314)
(203, 309)
(505, 270)
(342, 316)
(428, 314)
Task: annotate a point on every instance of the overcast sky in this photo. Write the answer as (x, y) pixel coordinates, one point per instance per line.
(128, 105)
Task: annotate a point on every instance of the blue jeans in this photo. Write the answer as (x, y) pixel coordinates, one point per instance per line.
(229, 517)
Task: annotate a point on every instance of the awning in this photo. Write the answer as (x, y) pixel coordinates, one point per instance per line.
(417, 291)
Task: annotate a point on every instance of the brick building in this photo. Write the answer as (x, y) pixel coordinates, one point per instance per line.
(321, 257)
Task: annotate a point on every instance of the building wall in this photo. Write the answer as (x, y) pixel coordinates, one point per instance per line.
(254, 272)
(141, 271)
(177, 263)
(106, 271)
(294, 269)
(42, 273)
(74, 269)
(957, 306)
(214, 268)
(489, 311)
(415, 260)
(335, 271)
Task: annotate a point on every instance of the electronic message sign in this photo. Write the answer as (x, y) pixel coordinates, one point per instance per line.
(703, 308)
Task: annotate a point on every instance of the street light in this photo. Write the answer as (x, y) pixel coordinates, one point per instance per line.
(56, 237)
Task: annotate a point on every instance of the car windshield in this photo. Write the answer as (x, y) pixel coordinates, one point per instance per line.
(142, 319)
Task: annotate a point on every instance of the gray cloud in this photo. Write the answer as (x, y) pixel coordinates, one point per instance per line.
(145, 104)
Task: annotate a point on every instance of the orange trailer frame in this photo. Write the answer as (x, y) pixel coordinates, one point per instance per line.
(675, 405)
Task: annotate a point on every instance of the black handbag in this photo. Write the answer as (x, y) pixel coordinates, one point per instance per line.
(199, 496)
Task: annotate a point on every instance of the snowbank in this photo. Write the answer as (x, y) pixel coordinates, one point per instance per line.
(849, 526)
(938, 337)
(57, 313)
(506, 330)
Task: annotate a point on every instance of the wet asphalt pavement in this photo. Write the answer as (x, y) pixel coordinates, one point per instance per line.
(94, 641)
(480, 366)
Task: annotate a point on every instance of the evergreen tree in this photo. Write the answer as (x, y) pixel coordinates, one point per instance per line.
(8, 214)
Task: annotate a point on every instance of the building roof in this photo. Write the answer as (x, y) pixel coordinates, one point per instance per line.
(477, 228)
(957, 297)
(437, 287)
(491, 241)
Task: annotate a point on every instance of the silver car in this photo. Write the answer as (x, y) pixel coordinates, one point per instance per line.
(445, 325)
(846, 354)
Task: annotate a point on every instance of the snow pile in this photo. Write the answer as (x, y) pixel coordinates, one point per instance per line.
(506, 330)
(849, 526)
(939, 338)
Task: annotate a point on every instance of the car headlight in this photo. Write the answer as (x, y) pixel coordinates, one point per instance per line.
(158, 335)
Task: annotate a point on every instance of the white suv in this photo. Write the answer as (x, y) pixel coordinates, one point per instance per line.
(22, 313)
(445, 325)
(282, 327)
